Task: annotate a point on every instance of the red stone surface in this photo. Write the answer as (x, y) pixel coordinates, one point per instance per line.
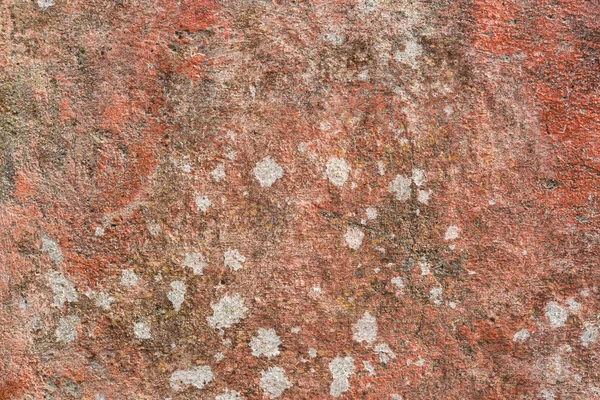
(114, 113)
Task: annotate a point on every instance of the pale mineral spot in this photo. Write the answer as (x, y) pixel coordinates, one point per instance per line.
(371, 213)
(354, 237)
(218, 173)
(228, 311)
(196, 376)
(589, 335)
(99, 231)
(266, 342)
(66, 331)
(274, 382)
(556, 314)
(435, 295)
(400, 186)
(63, 290)
(128, 278)
(312, 353)
(384, 352)
(418, 177)
(141, 330)
(521, 336)
(104, 301)
(267, 172)
(295, 330)
(425, 268)
(51, 248)
(203, 203)
(423, 196)
(451, 233)
(337, 171)
(233, 259)
(380, 168)
(369, 368)
(196, 262)
(341, 369)
(398, 282)
(229, 395)
(365, 330)
(177, 294)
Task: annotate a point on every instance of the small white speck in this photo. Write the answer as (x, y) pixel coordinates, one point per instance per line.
(377, 270)
(556, 314)
(218, 174)
(104, 301)
(219, 357)
(233, 259)
(312, 353)
(203, 203)
(423, 196)
(365, 330)
(521, 336)
(274, 382)
(435, 295)
(128, 278)
(452, 305)
(267, 172)
(425, 268)
(371, 213)
(341, 369)
(44, 4)
(451, 233)
(492, 202)
(197, 376)
(338, 171)
(400, 186)
(141, 331)
(589, 335)
(354, 237)
(266, 342)
(196, 262)
(99, 232)
(302, 147)
(381, 168)
(295, 330)
(177, 294)
(228, 311)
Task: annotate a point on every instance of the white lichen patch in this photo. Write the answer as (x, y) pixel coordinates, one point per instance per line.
(418, 177)
(266, 342)
(44, 4)
(218, 174)
(312, 353)
(521, 336)
(589, 335)
(128, 278)
(230, 395)
(196, 262)
(67, 329)
(99, 231)
(267, 172)
(177, 294)
(556, 314)
(203, 203)
(233, 259)
(354, 237)
(51, 248)
(398, 283)
(141, 331)
(384, 352)
(341, 369)
(274, 382)
(423, 196)
(104, 300)
(371, 213)
(365, 330)
(197, 377)
(369, 368)
(435, 295)
(63, 290)
(400, 186)
(337, 171)
(451, 233)
(154, 228)
(228, 311)
(574, 306)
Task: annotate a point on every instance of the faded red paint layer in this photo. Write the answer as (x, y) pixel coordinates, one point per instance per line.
(113, 114)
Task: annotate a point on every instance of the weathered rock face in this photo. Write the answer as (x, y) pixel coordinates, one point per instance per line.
(276, 199)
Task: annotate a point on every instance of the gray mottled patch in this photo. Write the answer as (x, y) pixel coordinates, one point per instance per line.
(400, 186)
(51, 248)
(521, 336)
(337, 170)
(341, 369)
(63, 290)
(218, 174)
(228, 311)
(266, 342)
(67, 329)
(274, 382)
(128, 278)
(267, 172)
(177, 294)
(556, 314)
(354, 237)
(196, 376)
(365, 330)
(203, 203)
(141, 330)
(104, 301)
(196, 262)
(233, 259)
(451, 233)
(384, 352)
(418, 177)
(589, 335)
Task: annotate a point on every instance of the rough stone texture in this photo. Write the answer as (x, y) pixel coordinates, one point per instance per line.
(134, 133)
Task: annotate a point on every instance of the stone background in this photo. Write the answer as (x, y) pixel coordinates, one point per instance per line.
(299, 199)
